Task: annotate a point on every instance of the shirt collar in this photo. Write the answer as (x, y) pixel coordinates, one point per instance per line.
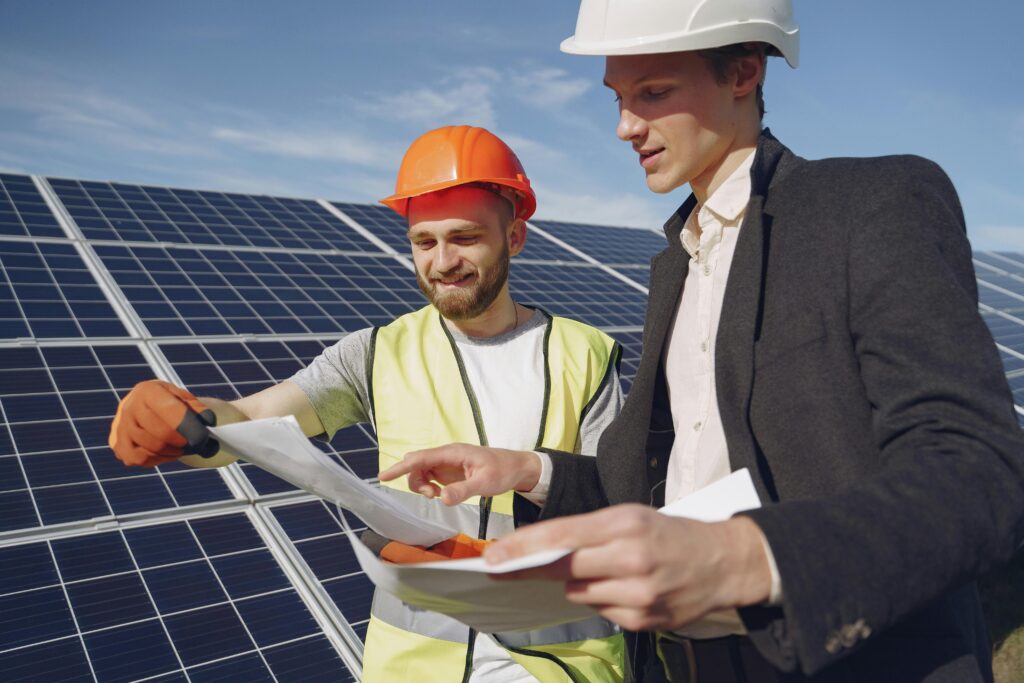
(725, 205)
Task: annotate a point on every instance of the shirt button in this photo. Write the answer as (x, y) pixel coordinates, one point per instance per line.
(707, 270)
(703, 346)
(696, 426)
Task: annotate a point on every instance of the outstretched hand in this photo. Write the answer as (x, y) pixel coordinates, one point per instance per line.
(460, 471)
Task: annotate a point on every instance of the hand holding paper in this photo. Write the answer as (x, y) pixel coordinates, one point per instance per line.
(647, 569)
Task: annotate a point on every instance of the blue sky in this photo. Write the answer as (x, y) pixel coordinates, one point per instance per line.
(320, 99)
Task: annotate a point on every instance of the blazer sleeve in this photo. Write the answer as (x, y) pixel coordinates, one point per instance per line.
(947, 500)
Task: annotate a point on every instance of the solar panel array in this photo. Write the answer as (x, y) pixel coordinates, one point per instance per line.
(172, 573)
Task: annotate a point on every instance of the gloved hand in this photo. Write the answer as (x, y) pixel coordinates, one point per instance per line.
(158, 422)
(455, 548)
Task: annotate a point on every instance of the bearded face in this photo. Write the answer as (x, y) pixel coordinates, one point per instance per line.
(467, 290)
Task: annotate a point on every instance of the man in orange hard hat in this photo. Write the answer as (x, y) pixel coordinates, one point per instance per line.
(816, 323)
(473, 367)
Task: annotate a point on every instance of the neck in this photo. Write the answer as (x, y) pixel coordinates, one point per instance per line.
(500, 317)
(705, 185)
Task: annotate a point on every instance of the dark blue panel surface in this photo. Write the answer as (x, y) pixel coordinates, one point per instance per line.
(55, 465)
(632, 345)
(320, 539)
(115, 211)
(23, 210)
(46, 291)
(185, 291)
(312, 659)
(609, 245)
(585, 293)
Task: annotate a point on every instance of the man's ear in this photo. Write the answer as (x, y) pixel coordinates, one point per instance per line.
(516, 236)
(748, 73)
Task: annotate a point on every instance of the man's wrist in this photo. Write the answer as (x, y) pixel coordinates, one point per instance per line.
(748, 566)
(530, 469)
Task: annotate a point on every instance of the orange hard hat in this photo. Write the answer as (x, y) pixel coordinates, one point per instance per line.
(459, 155)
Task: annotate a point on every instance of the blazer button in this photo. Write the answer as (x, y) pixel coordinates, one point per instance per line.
(832, 645)
(653, 462)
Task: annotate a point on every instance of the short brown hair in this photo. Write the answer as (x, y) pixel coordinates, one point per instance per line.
(721, 59)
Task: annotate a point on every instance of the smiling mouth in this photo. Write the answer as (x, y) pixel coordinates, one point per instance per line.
(647, 157)
(456, 282)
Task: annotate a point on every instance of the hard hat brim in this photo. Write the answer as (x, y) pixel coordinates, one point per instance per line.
(787, 43)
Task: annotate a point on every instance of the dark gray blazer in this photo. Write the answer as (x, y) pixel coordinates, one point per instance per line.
(858, 383)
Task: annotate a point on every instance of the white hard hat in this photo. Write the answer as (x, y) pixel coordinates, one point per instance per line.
(633, 27)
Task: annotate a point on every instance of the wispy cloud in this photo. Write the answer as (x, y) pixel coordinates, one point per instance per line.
(464, 97)
(63, 106)
(322, 145)
(548, 88)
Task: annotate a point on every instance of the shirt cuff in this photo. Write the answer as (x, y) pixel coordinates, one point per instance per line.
(539, 493)
(775, 594)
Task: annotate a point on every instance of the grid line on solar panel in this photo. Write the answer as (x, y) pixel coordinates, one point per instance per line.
(56, 405)
(117, 211)
(230, 370)
(586, 293)
(186, 291)
(109, 605)
(609, 245)
(314, 530)
(23, 211)
(47, 291)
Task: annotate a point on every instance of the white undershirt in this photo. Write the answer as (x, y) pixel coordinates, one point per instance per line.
(511, 417)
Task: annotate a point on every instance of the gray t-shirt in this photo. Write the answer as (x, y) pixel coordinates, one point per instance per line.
(338, 388)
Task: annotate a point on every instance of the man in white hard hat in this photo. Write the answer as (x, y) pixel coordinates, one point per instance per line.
(816, 323)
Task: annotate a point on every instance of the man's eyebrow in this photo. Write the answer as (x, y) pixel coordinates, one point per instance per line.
(641, 79)
(410, 233)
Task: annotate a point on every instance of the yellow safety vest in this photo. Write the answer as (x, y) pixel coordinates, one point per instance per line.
(421, 398)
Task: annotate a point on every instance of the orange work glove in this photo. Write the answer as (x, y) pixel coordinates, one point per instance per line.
(158, 422)
(456, 548)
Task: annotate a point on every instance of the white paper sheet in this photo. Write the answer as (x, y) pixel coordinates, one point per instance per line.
(278, 445)
(464, 590)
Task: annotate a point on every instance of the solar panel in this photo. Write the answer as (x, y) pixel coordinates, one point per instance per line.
(23, 211)
(55, 465)
(315, 532)
(187, 291)
(230, 370)
(611, 246)
(584, 292)
(46, 291)
(203, 597)
(115, 211)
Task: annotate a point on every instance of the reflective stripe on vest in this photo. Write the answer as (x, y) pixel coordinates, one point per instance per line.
(421, 398)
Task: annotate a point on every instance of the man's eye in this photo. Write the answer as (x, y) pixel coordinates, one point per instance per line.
(656, 94)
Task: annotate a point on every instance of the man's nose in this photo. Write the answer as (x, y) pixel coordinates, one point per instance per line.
(630, 125)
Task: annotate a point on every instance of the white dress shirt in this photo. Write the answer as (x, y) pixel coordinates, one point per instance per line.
(700, 455)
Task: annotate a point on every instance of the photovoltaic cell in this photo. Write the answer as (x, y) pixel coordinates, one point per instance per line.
(314, 530)
(608, 245)
(23, 210)
(55, 465)
(585, 293)
(115, 211)
(230, 370)
(202, 597)
(187, 291)
(46, 291)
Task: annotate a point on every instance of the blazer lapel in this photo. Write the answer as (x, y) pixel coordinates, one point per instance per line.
(734, 347)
